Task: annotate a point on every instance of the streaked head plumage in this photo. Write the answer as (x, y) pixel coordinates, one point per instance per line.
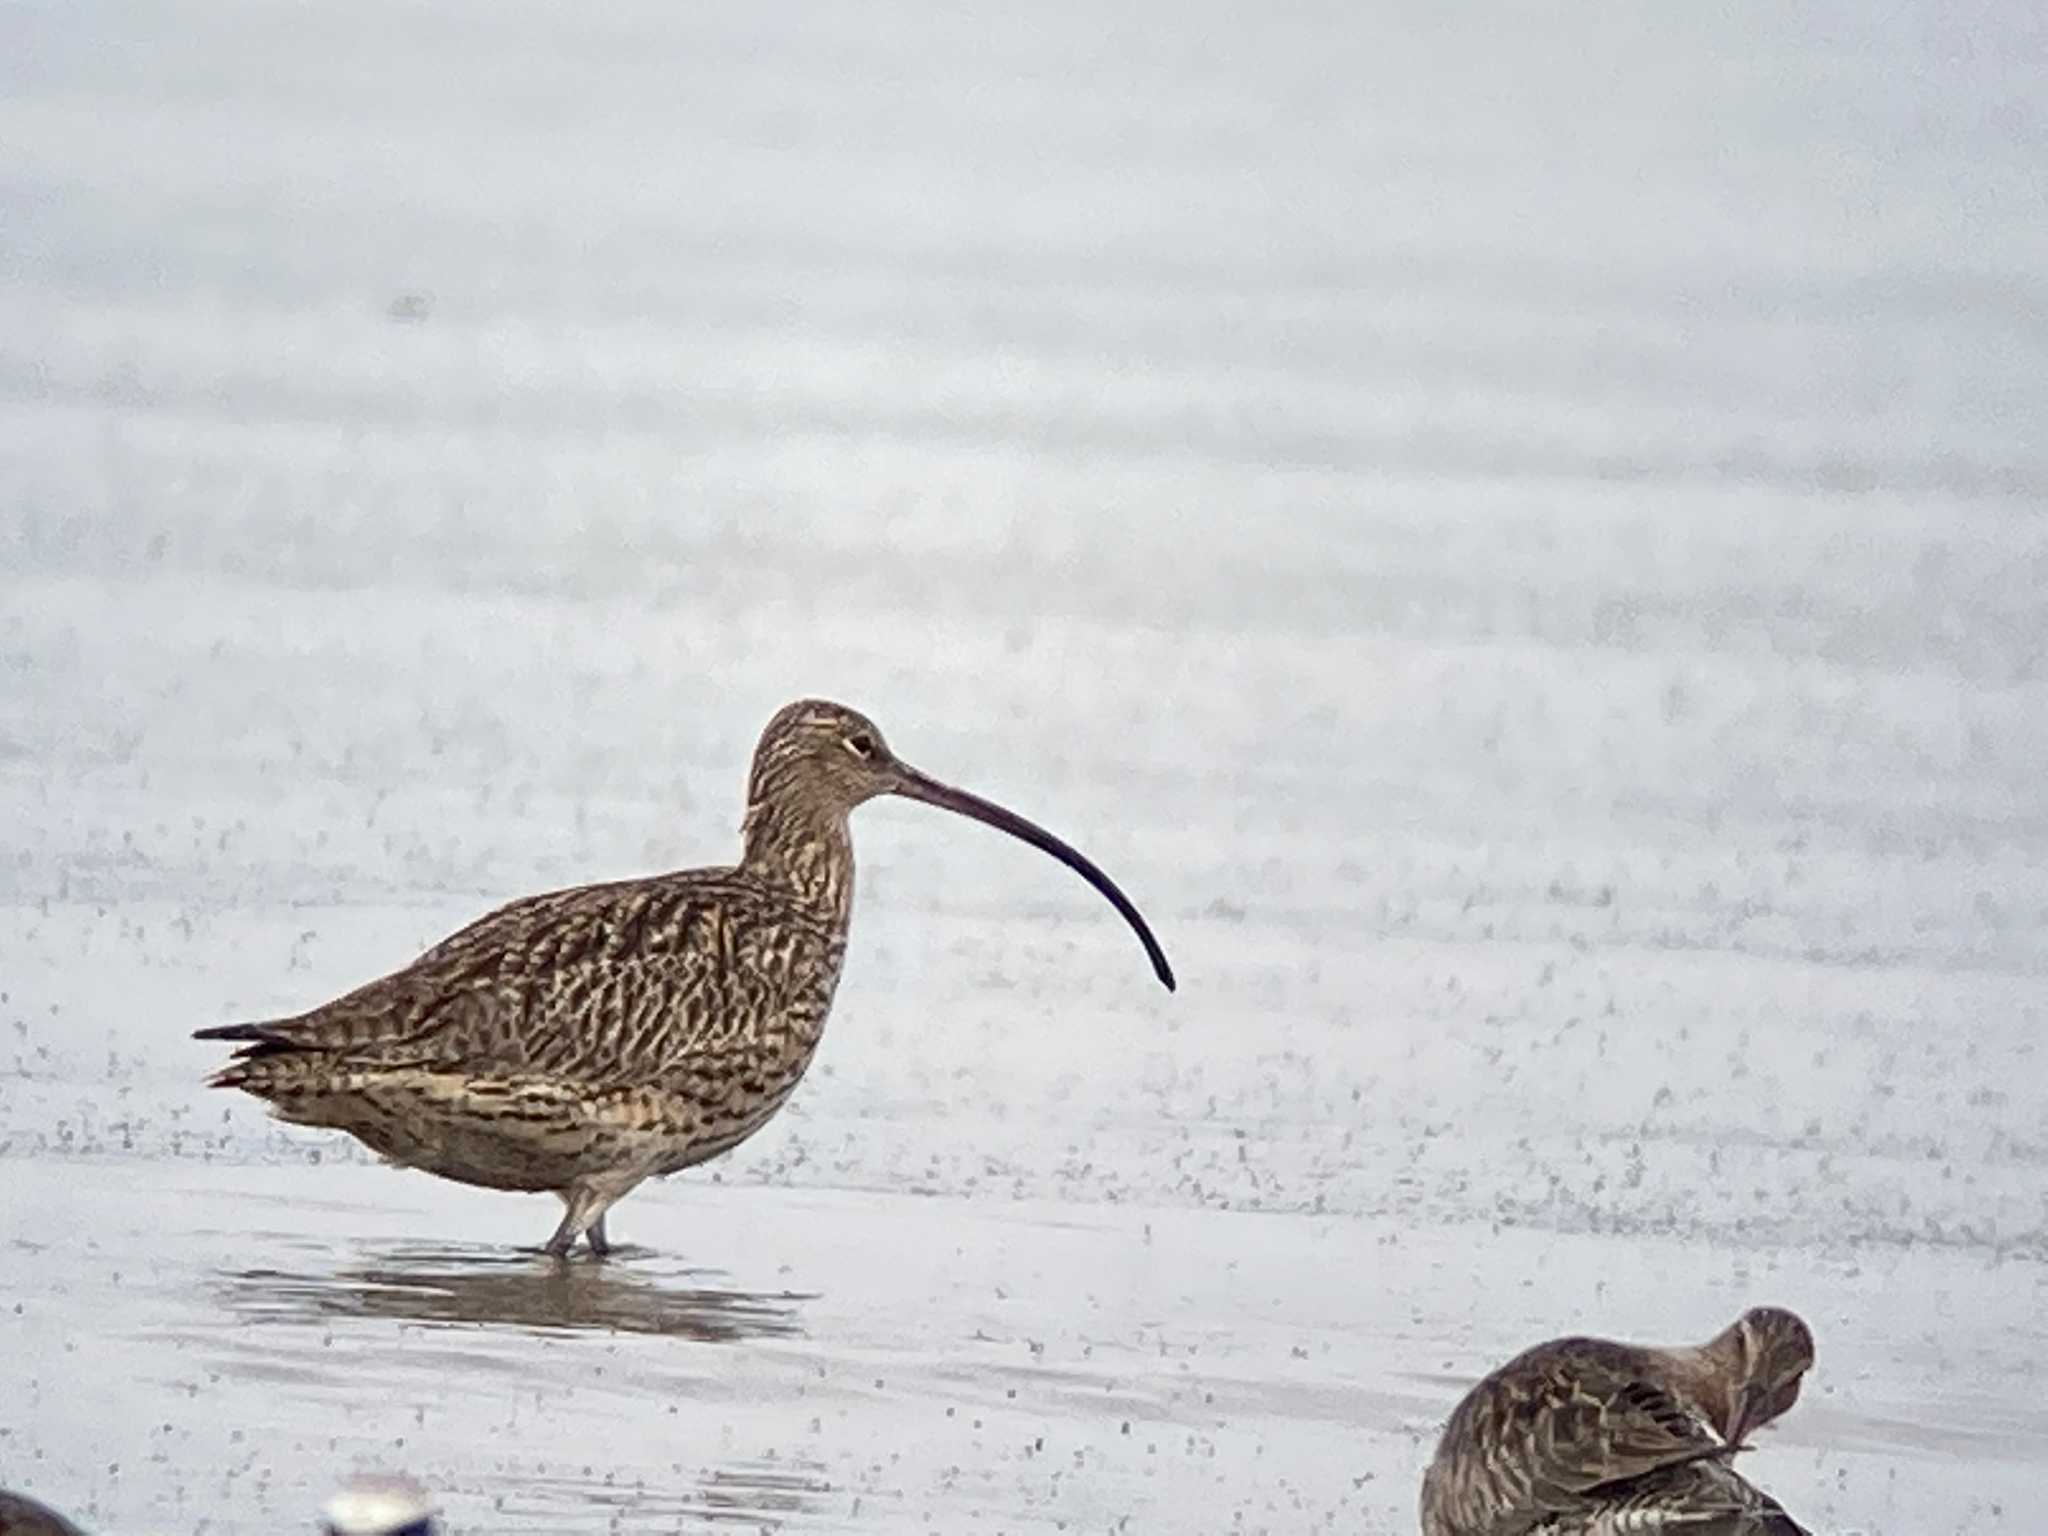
(1766, 1352)
(823, 750)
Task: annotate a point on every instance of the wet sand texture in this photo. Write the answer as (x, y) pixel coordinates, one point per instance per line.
(1516, 536)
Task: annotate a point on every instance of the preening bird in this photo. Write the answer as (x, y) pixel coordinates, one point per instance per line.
(1587, 1437)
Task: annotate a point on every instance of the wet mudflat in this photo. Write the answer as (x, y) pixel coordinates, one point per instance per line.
(1523, 553)
(1060, 1368)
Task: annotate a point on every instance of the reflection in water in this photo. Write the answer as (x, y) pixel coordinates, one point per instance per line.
(758, 1494)
(519, 1291)
(746, 1491)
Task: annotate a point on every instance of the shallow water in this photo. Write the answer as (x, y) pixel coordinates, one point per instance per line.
(1519, 542)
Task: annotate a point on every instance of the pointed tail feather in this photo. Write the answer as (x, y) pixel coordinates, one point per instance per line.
(233, 1032)
(258, 1041)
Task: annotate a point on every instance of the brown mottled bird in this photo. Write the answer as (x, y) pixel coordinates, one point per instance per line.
(23, 1516)
(1584, 1437)
(584, 1040)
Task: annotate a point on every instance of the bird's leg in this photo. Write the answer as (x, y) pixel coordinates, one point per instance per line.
(587, 1202)
(584, 1214)
(558, 1246)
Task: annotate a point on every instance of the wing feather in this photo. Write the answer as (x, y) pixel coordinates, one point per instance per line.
(518, 990)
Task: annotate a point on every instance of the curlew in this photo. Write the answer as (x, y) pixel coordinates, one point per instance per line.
(585, 1040)
(23, 1516)
(1584, 1437)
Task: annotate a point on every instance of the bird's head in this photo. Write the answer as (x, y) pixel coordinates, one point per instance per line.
(1768, 1350)
(818, 760)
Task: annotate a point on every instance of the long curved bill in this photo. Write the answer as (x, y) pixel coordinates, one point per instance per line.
(917, 786)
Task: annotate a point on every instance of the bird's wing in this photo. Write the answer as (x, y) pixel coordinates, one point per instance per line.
(1701, 1498)
(1608, 1422)
(1548, 1444)
(605, 982)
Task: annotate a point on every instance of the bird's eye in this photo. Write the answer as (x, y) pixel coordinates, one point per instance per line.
(861, 745)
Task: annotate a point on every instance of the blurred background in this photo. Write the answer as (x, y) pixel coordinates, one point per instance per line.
(1517, 532)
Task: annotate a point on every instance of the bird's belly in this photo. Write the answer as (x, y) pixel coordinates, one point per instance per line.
(701, 1114)
(538, 1133)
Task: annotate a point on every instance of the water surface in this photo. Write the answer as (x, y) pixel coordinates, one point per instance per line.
(1516, 536)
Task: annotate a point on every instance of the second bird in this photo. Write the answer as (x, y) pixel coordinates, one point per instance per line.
(1588, 1437)
(582, 1041)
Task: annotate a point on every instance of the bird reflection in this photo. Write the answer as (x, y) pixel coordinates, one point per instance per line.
(453, 1286)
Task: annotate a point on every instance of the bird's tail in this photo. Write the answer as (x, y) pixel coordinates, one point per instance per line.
(257, 1041)
(233, 1032)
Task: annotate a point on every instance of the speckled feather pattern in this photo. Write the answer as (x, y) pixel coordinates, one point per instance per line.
(1700, 1499)
(647, 1024)
(587, 1039)
(1588, 1437)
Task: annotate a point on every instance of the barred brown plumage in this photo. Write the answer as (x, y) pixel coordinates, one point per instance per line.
(584, 1040)
(23, 1516)
(1586, 1437)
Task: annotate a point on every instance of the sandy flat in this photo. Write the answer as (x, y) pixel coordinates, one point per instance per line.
(1519, 539)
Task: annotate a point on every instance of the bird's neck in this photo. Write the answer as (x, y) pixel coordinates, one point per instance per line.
(1714, 1376)
(805, 850)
